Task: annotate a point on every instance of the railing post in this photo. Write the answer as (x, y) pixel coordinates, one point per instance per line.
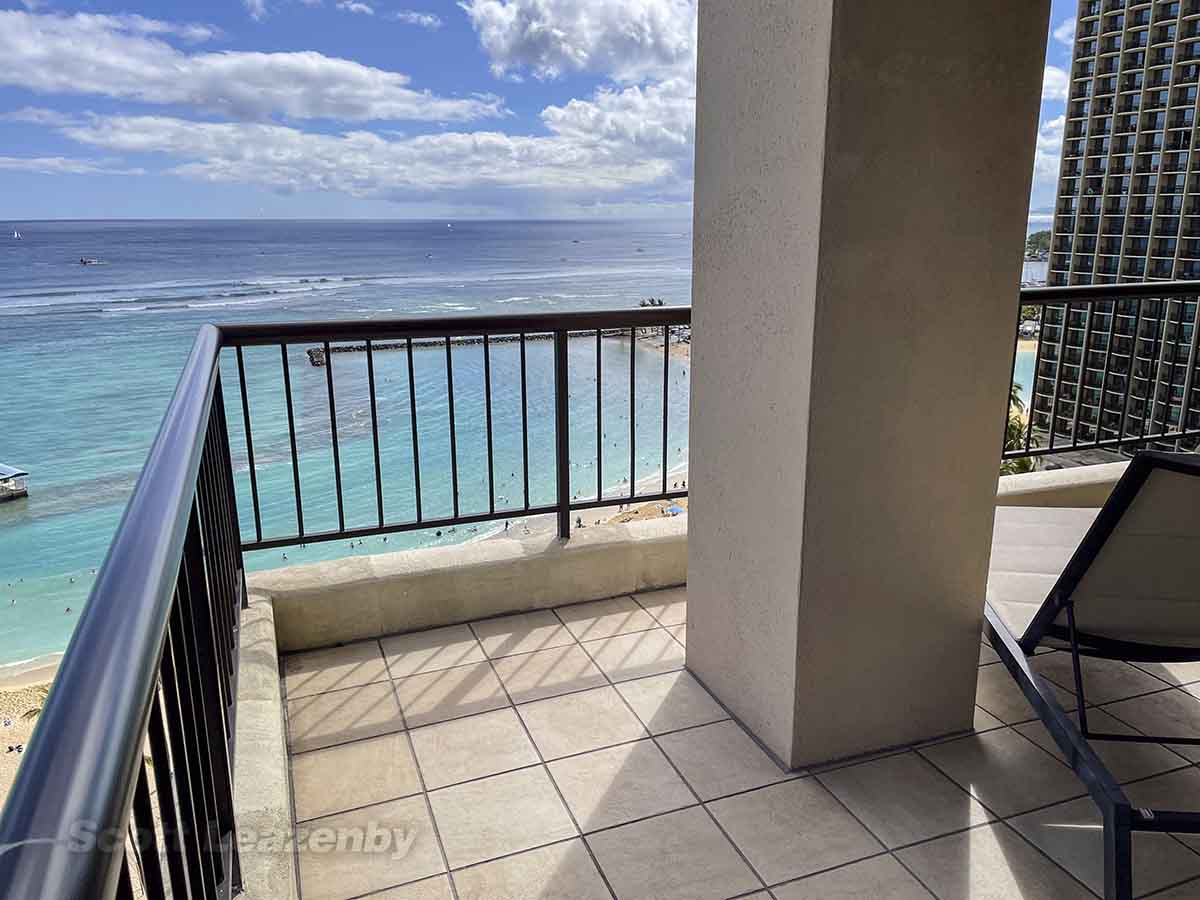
(562, 455)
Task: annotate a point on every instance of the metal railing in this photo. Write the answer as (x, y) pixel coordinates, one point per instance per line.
(126, 788)
(443, 343)
(1115, 368)
(128, 777)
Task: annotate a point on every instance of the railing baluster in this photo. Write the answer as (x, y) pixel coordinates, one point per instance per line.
(1038, 356)
(144, 830)
(250, 445)
(1083, 366)
(291, 420)
(1152, 375)
(1185, 401)
(632, 412)
(333, 433)
(487, 401)
(666, 389)
(524, 425)
(1058, 370)
(453, 430)
(562, 434)
(599, 425)
(1108, 347)
(412, 422)
(375, 431)
(176, 847)
(200, 872)
(1129, 375)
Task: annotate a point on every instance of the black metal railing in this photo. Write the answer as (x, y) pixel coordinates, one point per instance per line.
(127, 785)
(443, 343)
(127, 781)
(1115, 367)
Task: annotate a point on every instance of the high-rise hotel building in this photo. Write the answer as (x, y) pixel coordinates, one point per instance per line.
(1127, 210)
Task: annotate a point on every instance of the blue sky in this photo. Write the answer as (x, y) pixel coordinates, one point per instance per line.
(365, 108)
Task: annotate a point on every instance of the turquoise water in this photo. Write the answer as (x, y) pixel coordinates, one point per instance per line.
(89, 356)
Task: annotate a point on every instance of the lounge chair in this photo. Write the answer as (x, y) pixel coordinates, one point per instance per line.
(1122, 582)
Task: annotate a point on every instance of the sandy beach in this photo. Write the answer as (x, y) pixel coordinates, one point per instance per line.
(1027, 345)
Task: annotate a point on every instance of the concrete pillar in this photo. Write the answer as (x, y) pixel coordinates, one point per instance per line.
(862, 184)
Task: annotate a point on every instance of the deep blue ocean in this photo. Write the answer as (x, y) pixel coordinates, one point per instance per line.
(89, 356)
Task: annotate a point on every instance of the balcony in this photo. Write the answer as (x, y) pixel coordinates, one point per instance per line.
(594, 703)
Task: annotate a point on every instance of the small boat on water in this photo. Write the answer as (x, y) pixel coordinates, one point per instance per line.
(14, 483)
(16, 235)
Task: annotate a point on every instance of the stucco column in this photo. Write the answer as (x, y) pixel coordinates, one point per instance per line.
(862, 178)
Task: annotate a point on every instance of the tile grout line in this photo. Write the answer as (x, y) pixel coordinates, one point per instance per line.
(653, 738)
(287, 749)
(437, 836)
(550, 777)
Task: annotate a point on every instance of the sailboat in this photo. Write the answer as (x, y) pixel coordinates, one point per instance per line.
(16, 235)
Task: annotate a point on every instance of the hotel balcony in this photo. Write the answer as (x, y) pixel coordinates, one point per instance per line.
(759, 677)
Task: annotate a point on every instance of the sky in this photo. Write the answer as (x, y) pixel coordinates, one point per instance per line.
(368, 108)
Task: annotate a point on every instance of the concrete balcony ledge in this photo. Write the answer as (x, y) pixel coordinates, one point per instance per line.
(1083, 486)
(321, 604)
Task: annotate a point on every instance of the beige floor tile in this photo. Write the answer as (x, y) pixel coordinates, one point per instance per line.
(430, 651)
(669, 607)
(604, 618)
(436, 888)
(985, 721)
(318, 671)
(1005, 771)
(580, 722)
(1072, 834)
(880, 878)
(793, 829)
(523, 633)
(1180, 673)
(987, 655)
(720, 759)
(671, 701)
(340, 716)
(1189, 891)
(989, 863)
(636, 655)
(351, 775)
(1126, 762)
(679, 632)
(903, 799)
(472, 747)
(1104, 680)
(449, 694)
(547, 673)
(999, 695)
(619, 784)
(1171, 790)
(339, 859)
(492, 817)
(562, 871)
(678, 856)
(1172, 712)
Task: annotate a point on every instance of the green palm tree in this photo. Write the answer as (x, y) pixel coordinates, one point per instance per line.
(1014, 435)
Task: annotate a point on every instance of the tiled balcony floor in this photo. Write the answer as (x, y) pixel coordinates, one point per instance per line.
(565, 755)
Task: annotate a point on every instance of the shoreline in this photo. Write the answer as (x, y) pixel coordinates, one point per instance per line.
(29, 673)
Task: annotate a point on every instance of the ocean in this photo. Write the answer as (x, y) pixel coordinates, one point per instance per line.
(89, 356)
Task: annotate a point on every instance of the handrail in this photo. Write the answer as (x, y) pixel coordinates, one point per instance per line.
(84, 777)
(420, 327)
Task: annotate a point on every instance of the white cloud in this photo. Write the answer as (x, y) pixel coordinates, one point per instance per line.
(658, 118)
(628, 40)
(1055, 83)
(34, 115)
(364, 164)
(420, 19)
(60, 165)
(353, 6)
(256, 8)
(1065, 32)
(1049, 150)
(119, 56)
